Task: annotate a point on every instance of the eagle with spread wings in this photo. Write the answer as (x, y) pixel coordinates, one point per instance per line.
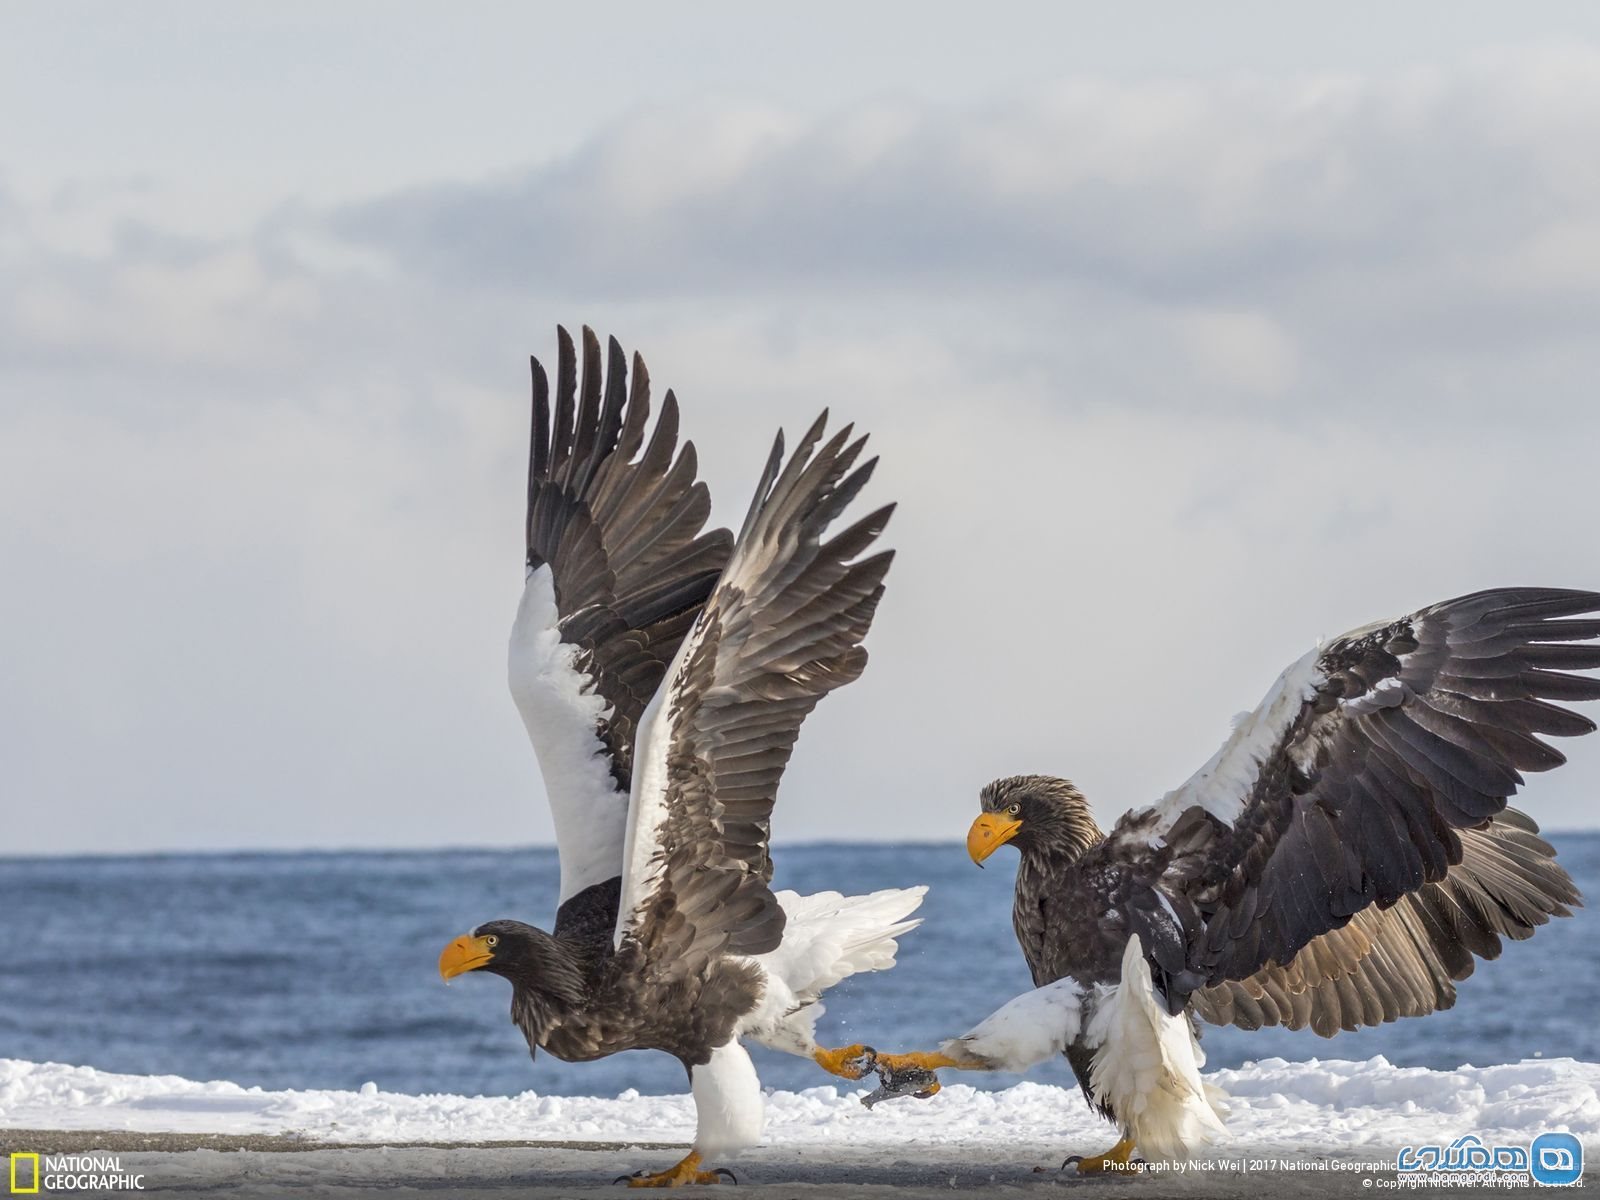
(663, 672)
(1340, 862)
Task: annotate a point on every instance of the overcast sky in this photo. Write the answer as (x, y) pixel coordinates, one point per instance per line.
(1188, 334)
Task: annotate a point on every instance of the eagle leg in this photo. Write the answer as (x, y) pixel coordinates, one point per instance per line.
(847, 1062)
(1118, 1158)
(680, 1174)
(918, 1060)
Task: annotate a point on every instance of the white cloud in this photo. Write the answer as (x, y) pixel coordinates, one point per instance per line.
(1145, 188)
(1170, 378)
(1247, 351)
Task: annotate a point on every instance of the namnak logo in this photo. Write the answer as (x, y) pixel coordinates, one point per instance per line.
(24, 1173)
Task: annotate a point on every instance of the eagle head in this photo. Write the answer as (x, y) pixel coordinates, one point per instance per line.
(1039, 814)
(547, 976)
(506, 948)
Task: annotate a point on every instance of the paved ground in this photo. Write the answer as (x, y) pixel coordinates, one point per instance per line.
(246, 1167)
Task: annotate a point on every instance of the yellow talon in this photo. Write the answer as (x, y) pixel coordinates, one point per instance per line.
(1114, 1159)
(847, 1062)
(678, 1175)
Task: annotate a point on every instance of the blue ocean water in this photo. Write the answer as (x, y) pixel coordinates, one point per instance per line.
(318, 971)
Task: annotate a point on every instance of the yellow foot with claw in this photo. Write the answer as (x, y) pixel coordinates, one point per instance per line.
(847, 1062)
(1117, 1159)
(679, 1175)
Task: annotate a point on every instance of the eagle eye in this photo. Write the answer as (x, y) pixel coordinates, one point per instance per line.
(491, 941)
(1014, 809)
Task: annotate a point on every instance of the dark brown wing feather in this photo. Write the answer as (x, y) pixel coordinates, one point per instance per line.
(622, 534)
(1406, 736)
(783, 628)
(1404, 961)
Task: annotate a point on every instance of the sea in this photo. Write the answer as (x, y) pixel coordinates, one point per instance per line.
(318, 970)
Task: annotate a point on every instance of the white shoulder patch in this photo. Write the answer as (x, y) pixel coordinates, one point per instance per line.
(1222, 785)
(561, 710)
(1386, 693)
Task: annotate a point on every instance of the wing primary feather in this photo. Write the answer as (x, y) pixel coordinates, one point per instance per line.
(566, 392)
(586, 433)
(620, 566)
(764, 487)
(782, 629)
(538, 454)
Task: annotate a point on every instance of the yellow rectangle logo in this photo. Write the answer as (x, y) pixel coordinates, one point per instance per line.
(16, 1189)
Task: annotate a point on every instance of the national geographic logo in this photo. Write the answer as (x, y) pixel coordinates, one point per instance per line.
(32, 1174)
(24, 1184)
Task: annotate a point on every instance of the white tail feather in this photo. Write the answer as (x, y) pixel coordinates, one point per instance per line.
(1147, 1067)
(828, 938)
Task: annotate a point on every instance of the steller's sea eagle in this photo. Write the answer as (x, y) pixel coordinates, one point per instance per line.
(663, 674)
(1338, 863)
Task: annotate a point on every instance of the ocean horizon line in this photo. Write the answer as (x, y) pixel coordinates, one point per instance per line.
(224, 852)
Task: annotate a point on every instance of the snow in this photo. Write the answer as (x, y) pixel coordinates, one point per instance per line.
(1328, 1105)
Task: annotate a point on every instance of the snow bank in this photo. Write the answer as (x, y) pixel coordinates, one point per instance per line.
(1335, 1106)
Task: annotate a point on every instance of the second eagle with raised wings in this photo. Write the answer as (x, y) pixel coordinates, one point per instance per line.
(1339, 862)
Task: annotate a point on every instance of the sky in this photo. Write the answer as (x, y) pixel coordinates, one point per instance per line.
(1187, 335)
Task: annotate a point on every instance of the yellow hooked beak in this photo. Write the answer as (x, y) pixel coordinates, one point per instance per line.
(988, 833)
(466, 953)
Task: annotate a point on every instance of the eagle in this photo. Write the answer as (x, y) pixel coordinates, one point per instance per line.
(663, 672)
(1340, 862)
